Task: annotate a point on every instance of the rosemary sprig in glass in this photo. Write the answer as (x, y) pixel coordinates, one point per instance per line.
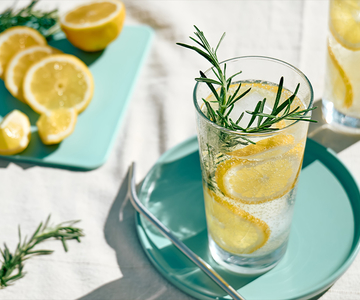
(226, 101)
(14, 262)
(45, 22)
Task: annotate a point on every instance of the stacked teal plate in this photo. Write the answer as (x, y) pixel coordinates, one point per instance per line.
(324, 237)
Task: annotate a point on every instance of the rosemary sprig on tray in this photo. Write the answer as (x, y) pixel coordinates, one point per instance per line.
(226, 100)
(14, 262)
(45, 22)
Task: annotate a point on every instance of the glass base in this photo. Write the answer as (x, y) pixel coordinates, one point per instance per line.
(246, 264)
(338, 120)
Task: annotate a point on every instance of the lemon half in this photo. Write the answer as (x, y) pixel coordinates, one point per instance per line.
(92, 26)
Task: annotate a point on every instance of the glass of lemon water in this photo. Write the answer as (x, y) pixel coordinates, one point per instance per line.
(250, 188)
(341, 99)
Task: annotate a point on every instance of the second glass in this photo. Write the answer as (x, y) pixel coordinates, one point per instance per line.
(341, 100)
(250, 189)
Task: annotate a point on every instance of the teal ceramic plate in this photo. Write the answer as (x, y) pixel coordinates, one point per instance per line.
(324, 238)
(115, 71)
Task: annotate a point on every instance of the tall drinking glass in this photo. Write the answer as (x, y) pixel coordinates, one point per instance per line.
(341, 99)
(250, 189)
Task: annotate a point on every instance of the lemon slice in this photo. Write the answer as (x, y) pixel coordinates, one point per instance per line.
(14, 133)
(232, 228)
(254, 182)
(345, 22)
(15, 39)
(18, 65)
(266, 148)
(58, 81)
(92, 26)
(56, 125)
(339, 85)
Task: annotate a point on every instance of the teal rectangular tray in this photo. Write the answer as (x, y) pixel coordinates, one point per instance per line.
(115, 71)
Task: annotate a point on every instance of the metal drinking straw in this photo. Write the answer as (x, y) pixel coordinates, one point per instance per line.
(179, 244)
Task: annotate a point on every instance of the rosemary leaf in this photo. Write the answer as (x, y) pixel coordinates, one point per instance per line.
(12, 262)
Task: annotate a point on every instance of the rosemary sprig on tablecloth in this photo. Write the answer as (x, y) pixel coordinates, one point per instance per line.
(13, 263)
(45, 22)
(260, 122)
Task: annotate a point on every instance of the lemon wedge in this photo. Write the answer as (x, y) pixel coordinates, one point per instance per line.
(58, 81)
(56, 125)
(92, 26)
(345, 23)
(232, 228)
(18, 65)
(14, 133)
(15, 39)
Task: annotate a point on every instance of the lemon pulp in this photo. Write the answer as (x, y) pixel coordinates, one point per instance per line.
(58, 81)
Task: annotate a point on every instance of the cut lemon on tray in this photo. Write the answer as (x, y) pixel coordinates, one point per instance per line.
(58, 81)
(19, 64)
(56, 125)
(232, 228)
(15, 39)
(14, 133)
(92, 26)
(254, 182)
(345, 23)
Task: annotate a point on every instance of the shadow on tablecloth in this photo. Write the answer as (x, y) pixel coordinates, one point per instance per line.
(140, 281)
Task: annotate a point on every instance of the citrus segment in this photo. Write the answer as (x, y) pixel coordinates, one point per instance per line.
(345, 22)
(340, 85)
(256, 182)
(18, 65)
(58, 81)
(266, 148)
(92, 26)
(14, 133)
(56, 125)
(232, 228)
(16, 39)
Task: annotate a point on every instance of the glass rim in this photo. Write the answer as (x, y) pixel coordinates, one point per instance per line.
(200, 112)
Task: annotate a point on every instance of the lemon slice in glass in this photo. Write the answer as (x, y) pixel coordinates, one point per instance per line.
(15, 39)
(19, 64)
(14, 133)
(58, 81)
(92, 26)
(56, 125)
(339, 83)
(345, 23)
(266, 148)
(232, 228)
(258, 181)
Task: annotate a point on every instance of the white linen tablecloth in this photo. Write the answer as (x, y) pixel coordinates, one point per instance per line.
(109, 263)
